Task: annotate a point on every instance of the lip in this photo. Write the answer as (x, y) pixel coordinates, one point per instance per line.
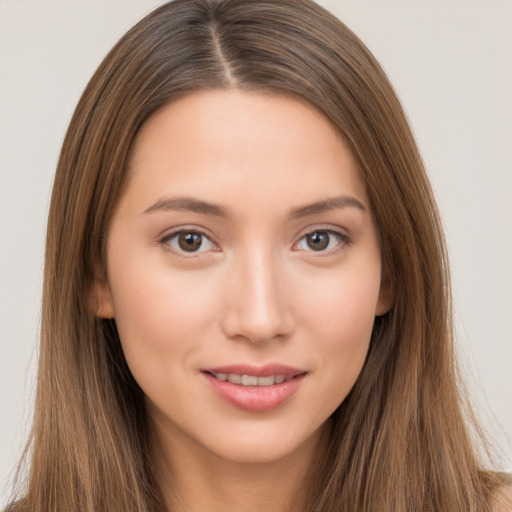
(255, 398)
(258, 371)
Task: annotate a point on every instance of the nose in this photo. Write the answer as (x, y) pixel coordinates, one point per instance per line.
(258, 302)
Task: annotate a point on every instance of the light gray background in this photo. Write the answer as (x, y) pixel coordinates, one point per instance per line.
(451, 64)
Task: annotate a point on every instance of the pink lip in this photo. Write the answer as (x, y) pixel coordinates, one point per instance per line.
(258, 371)
(256, 398)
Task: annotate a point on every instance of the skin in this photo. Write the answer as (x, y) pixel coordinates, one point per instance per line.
(254, 292)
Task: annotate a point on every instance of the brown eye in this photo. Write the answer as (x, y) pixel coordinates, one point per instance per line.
(189, 241)
(318, 240)
(321, 240)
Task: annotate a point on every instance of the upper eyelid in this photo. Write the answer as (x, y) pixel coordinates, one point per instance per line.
(166, 235)
(322, 227)
(321, 230)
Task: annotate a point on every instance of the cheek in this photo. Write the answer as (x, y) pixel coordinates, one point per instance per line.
(344, 302)
(158, 311)
(341, 314)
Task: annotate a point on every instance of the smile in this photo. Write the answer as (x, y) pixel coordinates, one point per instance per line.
(255, 389)
(252, 380)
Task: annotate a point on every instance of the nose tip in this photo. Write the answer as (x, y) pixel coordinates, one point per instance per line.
(257, 326)
(258, 306)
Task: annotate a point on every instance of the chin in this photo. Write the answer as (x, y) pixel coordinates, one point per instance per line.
(264, 446)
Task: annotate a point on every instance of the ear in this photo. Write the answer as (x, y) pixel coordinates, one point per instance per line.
(101, 299)
(386, 296)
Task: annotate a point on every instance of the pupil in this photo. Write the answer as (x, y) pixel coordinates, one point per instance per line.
(189, 241)
(318, 240)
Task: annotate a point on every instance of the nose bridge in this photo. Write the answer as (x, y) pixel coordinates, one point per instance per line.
(259, 307)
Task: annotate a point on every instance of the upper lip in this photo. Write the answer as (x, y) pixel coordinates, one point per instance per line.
(258, 371)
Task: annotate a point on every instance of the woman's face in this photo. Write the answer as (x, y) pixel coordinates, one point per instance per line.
(244, 273)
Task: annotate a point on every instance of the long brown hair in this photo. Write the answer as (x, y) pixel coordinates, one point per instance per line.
(400, 440)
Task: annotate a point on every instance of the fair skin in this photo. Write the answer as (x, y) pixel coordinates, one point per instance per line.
(243, 244)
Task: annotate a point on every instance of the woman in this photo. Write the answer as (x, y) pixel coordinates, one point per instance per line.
(246, 298)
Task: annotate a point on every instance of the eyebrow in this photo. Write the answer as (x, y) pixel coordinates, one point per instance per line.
(187, 204)
(205, 208)
(326, 205)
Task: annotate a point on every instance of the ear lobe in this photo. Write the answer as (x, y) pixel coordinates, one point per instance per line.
(386, 297)
(101, 298)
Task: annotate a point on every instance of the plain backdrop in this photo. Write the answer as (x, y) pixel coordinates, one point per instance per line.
(451, 65)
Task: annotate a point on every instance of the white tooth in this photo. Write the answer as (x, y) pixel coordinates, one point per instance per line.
(266, 381)
(221, 376)
(234, 379)
(278, 379)
(249, 380)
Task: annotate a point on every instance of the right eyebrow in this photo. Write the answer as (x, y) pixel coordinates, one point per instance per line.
(187, 204)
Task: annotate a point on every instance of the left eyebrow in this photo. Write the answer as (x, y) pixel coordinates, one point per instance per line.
(333, 203)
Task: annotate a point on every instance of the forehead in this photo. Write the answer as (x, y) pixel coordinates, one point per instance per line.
(240, 144)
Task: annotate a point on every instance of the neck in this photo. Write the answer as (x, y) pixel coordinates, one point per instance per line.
(196, 480)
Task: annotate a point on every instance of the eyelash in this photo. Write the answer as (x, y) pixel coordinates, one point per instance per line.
(343, 241)
(164, 242)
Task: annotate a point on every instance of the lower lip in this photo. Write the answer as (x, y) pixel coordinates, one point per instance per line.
(255, 398)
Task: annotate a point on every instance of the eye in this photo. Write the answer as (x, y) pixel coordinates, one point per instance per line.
(188, 242)
(321, 240)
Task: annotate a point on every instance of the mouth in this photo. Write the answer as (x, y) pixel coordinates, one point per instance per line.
(255, 389)
(253, 380)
